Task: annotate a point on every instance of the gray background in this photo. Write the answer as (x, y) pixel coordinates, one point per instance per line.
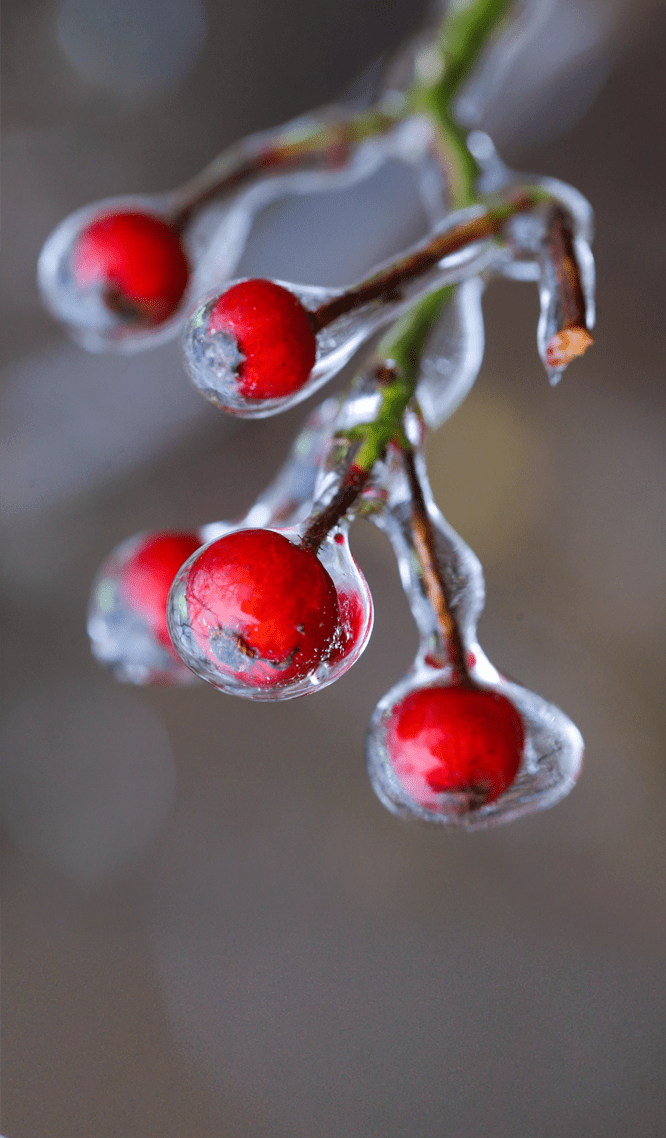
(212, 928)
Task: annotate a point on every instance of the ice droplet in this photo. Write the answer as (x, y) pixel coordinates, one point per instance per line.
(220, 670)
(339, 338)
(553, 748)
(120, 634)
(452, 354)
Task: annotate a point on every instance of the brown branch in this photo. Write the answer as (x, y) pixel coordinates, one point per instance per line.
(435, 585)
(281, 159)
(330, 149)
(573, 338)
(320, 526)
(242, 173)
(387, 284)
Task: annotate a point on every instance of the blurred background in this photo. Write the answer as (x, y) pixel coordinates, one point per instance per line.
(211, 927)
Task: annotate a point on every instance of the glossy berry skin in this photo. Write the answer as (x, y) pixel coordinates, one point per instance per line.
(454, 739)
(148, 576)
(272, 344)
(139, 262)
(263, 610)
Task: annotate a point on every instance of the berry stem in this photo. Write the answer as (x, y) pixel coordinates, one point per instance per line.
(367, 443)
(325, 142)
(463, 35)
(321, 525)
(435, 585)
(387, 284)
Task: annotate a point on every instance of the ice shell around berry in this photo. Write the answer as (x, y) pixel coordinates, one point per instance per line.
(226, 656)
(122, 634)
(82, 305)
(263, 339)
(213, 360)
(206, 360)
(453, 739)
(549, 765)
(250, 367)
(261, 608)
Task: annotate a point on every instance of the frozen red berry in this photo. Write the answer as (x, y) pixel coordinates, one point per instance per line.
(148, 575)
(272, 344)
(263, 610)
(451, 739)
(139, 262)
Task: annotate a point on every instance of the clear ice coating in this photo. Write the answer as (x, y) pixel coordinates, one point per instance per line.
(120, 636)
(527, 234)
(219, 236)
(232, 190)
(122, 639)
(83, 310)
(551, 318)
(338, 340)
(553, 747)
(356, 618)
(452, 354)
(288, 499)
(497, 60)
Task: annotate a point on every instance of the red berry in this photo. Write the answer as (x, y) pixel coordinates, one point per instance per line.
(138, 259)
(262, 609)
(273, 344)
(148, 575)
(445, 739)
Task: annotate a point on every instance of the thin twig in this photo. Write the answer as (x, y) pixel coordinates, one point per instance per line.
(320, 526)
(328, 147)
(573, 337)
(387, 284)
(433, 579)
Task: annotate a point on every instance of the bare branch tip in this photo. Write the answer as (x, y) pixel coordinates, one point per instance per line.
(566, 345)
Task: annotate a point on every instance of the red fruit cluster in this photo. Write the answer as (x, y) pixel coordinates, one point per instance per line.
(272, 336)
(451, 739)
(148, 575)
(139, 261)
(262, 609)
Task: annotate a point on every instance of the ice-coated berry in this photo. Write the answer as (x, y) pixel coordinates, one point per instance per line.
(148, 575)
(262, 609)
(271, 341)
(455, 739)
(138, 261)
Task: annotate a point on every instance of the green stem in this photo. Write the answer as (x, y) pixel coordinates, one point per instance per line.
(463, 35)
(408, 335)
(397, 375)
(327, 141)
